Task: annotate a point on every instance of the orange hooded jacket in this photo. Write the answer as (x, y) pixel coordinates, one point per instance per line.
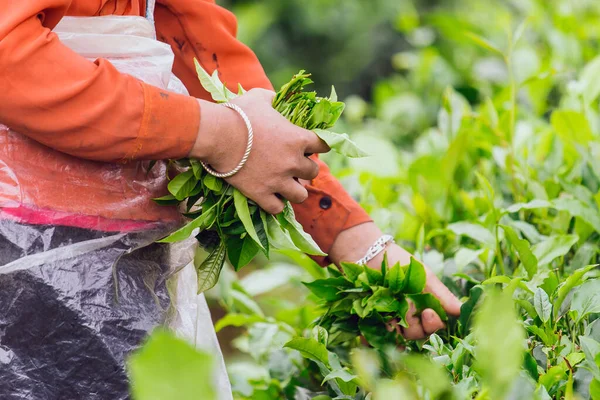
(71, 112)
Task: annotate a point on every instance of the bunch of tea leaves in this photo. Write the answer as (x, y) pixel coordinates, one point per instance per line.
(364, 301)
(224, 221)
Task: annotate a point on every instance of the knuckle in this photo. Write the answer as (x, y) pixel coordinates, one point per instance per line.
(304, 196)
(267, 94)
(277, 209)
(308, 138)
(315, 170)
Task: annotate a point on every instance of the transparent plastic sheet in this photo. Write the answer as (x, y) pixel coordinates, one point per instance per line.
(76, 301)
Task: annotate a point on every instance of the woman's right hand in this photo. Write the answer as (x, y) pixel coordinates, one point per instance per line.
(277, 159)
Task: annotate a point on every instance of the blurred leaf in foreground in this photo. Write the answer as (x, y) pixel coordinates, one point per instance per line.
(169, 368)
(500, 343)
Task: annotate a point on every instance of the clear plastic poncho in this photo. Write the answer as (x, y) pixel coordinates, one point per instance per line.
(76, 301)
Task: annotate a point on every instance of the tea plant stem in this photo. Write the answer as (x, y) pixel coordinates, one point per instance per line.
(499, 252)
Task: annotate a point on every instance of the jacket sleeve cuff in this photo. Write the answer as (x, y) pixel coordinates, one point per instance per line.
(328, 210)
(169, 126)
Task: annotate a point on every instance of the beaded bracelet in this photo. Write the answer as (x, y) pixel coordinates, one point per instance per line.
(377, 247)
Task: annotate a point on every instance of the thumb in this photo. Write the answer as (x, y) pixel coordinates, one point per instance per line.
(449, 301)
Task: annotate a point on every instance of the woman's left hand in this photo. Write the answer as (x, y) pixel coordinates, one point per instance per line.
(345, 248)
(428, 322)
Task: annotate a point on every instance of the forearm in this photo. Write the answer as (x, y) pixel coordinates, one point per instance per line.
(89, 110)
(352, 244)
(203, 30)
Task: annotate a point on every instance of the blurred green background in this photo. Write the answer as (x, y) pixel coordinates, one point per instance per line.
(345, 43)
(409, 71)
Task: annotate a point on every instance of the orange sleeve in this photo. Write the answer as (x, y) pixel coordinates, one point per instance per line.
(328, 210)
(206, 31)
(85, 109)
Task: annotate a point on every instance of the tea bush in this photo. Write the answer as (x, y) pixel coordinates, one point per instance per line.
(485, 146)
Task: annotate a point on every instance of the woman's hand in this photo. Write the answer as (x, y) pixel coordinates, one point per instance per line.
(277, 159)
(429, 322)
(345, 248)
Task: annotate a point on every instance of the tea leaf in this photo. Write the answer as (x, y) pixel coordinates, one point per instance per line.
(201, 222)
(586, 299)
(395, 278)
(528, 259)
(241, 251)
(166, 367)
(468, 307)
(542, 304)
(210, 269)
(182, 185)
(302, 240)
(475, 232)
(551, 248)
(427, 300)
(572, 281)
(499, 351)
(309, 348)
(241, 207)
(340, 143)
(328, 289)
(415, 278)
(213, 85)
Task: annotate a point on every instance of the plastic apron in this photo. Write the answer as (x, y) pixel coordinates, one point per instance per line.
(76, 301)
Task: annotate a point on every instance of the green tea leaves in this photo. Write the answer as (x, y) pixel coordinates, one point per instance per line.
(528, 259)
(468, 308)
(201, 222)
(213, 85)
(427, 300)
(311, 349)
(301, 239)
(215, 205)
(500, 343)
(551, 248)
(415, 278)
(340, 143)
(395, 278)
(586, 299)
(376, 301)
(328, 289)
(474, 231)
(571, 126)
(208, 271)
(243, 211)
(542, 305)
(241, 251)
(182, 185)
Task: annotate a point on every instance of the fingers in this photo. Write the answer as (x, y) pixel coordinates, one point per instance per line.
(431, 322)
(419, 328)
(306, 169)
(415, 329)
(449, 301)
(271, 204)
(294, 192)
(267, 95)
(314, 144)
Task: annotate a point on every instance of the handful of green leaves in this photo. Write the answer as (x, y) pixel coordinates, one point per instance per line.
(364, 301)
(223, 220)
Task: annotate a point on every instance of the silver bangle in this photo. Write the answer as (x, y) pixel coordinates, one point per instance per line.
(377, 247)
(248, 146)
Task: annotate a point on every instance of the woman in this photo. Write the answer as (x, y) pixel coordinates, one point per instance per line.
(77, 224)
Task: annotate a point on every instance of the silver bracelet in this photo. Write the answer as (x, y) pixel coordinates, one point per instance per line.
(377, 247)
(248, 146)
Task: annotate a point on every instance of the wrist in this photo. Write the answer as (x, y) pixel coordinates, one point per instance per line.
(221, 136)
(353, 243)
